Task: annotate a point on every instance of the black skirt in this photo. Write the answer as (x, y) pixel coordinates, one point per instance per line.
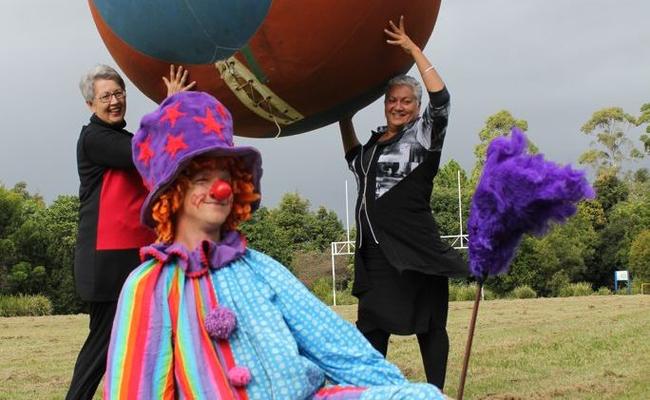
(399, 303)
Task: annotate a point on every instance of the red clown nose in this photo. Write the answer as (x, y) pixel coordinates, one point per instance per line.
(220, 190)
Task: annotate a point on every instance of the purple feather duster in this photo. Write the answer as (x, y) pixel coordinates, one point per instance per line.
(518, 193)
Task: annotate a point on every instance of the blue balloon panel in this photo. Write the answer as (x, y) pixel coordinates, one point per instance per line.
(188, 32)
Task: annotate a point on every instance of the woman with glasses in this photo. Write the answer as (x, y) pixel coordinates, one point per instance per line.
(110, 195)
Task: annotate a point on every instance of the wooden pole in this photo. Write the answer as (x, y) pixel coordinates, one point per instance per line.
(468, 346)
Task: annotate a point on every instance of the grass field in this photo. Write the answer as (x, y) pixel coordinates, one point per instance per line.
(595, 347)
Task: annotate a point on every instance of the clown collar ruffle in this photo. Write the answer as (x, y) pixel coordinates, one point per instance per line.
(197, 262)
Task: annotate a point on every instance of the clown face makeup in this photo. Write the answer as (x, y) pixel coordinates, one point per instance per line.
(201, 212)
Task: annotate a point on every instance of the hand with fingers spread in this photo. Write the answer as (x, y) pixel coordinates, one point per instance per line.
(399, 36)
(177, 79)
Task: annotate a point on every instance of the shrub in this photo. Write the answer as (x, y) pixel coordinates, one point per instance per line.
(453, 292)
(345, 297)
(465, 292)
(322, 288)
(468, 293)
(523, 292)
(18, 306)
(461, 292)
(635, 287)
(576, 289)
(582, 289)
(603, 291)
(488, 294)
(558, 282)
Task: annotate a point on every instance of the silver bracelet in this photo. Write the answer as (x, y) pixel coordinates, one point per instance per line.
(429, 68)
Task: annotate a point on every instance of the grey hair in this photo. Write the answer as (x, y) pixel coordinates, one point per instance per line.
(99, 71)
(406, 80)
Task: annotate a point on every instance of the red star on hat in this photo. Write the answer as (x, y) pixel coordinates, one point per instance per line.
(145, 151)
(174, 144)
(172, 114)
(222, 111)
(209, 123)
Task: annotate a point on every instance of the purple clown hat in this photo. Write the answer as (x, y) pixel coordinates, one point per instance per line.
(184, 126)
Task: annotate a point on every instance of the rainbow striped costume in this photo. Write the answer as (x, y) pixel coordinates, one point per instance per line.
(285, 343)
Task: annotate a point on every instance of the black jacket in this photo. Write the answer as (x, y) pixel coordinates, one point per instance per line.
(110, 195)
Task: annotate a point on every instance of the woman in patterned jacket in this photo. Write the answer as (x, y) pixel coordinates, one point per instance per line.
(401, 266)
(205, 317)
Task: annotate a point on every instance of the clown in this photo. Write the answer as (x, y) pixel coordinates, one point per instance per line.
(205, 317)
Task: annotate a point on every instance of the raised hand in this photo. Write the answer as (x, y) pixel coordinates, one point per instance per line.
(399, 36)
(177, 79)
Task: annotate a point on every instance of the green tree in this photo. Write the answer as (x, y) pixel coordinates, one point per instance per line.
(611, 146)
(60, 221)
(10, 211)
(642, 175)
(20, 188)
(23, 278)
(561, 256)
(645, 119)
(294, 220)
(444, 198)
(593, 211)
(523, 270)
(447, 176)
(291, 227)
(8, 255)
(263, 235)
(327, 229)
(640, 256)
(31, 239)
(19, 226)
(610, 190)
(638, 185)
(37, 250)
(645, 139)
(499, 124)
(626, 220)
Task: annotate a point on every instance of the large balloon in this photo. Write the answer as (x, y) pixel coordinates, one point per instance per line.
(282, 67)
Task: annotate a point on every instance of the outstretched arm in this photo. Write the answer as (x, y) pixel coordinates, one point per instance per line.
(336, 346)
(177, 79)
(398, 37)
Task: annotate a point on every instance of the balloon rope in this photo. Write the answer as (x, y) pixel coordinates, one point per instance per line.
(468, 346)
(277, 126)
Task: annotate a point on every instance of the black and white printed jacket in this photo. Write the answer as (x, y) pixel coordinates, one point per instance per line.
(395, 181)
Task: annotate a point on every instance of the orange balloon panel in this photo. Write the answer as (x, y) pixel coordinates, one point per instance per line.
(308, 64)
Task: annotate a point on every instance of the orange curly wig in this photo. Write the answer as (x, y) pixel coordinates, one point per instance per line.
(167, 204)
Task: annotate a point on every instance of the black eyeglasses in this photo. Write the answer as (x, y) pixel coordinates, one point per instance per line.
(106, 97)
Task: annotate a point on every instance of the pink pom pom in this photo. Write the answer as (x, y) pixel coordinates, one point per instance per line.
(220, 323)
(239, 376)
